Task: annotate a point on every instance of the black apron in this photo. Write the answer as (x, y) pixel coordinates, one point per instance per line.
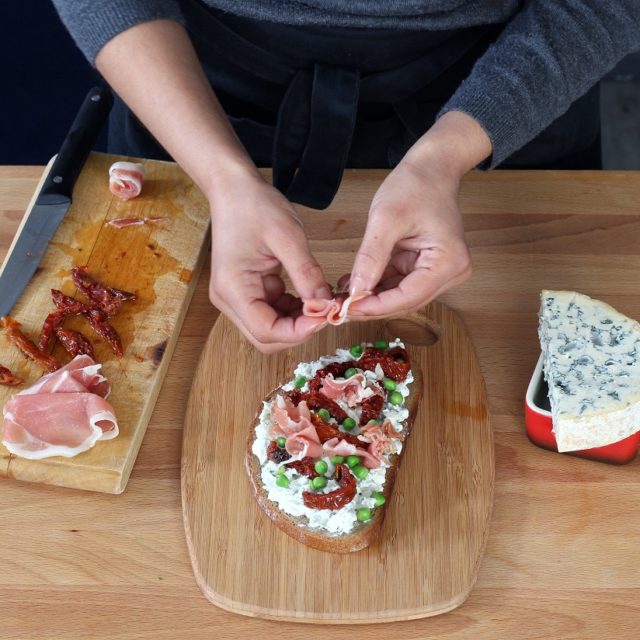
(310, 101)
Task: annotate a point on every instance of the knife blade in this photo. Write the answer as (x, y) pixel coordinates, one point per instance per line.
(54, 198)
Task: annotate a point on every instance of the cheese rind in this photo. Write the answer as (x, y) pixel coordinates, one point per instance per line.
(591, 358)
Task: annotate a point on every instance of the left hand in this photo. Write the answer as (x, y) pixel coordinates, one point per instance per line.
(413, 247)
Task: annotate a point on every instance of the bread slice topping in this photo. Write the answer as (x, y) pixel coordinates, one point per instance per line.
(327, 440)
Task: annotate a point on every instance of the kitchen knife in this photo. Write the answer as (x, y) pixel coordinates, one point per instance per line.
(54, 198)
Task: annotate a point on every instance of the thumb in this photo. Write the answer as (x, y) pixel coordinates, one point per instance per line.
(372, 257)
(303, 269)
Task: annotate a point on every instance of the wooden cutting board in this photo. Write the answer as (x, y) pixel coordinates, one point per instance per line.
(160, 262)
(427, 557)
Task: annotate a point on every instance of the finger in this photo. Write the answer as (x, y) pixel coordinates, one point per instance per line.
(274, 287)
(244, 300)
(372, 257)
(413, 291)
(306, 274)
(247, 297)
(343, 282)
(288, 305)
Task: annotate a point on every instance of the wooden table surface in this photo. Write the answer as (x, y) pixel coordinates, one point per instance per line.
(563, 557)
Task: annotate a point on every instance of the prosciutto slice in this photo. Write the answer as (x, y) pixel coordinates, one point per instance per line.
(56, 424)
(63, 414)
(81, 374)
(335, 311)
(338, 447)
(125, 179)
(352, 390)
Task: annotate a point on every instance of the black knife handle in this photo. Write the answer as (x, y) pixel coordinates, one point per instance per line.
(73, 153)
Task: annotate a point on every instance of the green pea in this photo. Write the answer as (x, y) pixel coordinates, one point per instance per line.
(379, 498)
(348, 424)
(389, 385)
(396, 398)
(350, 372)
(356, 350)
(360, 471)
(363, 514)
(373, 421)
(282, 481)
(337, 459)
(381, 344)
(281, 440)
(319, 482)
(281, 470)
(324, 414)
(321, 466)
(311, 487)
(353, 461)
(299, 382)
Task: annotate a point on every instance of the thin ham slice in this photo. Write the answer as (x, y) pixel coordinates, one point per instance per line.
(125, 179)
(56, 424)
(288, 418)
(303, 444)
(335, 311)
(352, 390)
(81, 374)
(122, 223)
(339, 447)
(378, 438)
(62, 414)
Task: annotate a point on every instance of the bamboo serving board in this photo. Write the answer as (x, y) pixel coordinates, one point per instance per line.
(426, 559)
(160, 262)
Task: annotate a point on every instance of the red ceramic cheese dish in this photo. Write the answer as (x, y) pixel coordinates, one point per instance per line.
(540, 426)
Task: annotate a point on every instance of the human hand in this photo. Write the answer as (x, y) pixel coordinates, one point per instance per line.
(255, 233)
(413, 247)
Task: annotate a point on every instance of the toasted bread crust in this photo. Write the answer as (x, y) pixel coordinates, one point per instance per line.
(364, 533)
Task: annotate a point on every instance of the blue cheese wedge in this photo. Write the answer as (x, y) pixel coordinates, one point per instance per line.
(591, 359)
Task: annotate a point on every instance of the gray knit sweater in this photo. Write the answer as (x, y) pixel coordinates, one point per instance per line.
(550, 53)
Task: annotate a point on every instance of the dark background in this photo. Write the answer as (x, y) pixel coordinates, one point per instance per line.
(44, 79)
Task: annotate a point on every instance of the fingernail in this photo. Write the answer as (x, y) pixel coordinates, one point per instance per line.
(323, 292)
(355, 285)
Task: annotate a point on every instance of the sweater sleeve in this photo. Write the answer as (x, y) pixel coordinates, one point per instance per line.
(547, 56)
(92, 23)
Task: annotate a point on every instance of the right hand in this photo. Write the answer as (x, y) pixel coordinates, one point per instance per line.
(256, 232)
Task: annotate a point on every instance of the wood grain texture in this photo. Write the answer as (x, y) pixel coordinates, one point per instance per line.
(426, 558)
(160, 262)
(562, 556)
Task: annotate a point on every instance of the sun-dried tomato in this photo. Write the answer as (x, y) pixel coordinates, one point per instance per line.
(9, 379)
(107, 299)
(276, 454)
(98, 320)
(315, 400)
(371, 408)
(328, 431)
(67, 303)
(51, 324)
(336, 499)
(394, 362)
(75, 343)
(25, 344)
(306, 467)
(318, 401)
(336, 369)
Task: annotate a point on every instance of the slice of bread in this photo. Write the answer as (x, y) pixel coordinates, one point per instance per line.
(297, 526)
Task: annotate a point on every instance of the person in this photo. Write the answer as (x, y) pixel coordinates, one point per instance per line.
(429, 88)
